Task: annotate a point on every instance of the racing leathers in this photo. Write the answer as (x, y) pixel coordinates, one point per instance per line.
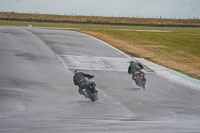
(80, 80)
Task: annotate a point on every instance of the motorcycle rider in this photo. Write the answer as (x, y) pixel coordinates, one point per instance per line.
(80, 81)
(134, 67)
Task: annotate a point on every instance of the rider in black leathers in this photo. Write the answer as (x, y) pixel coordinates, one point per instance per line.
(80, 81)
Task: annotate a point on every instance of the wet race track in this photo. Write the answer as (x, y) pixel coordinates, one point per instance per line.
(37, 94)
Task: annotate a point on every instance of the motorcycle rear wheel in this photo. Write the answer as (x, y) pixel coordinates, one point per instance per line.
(90, 95)
(140, 81)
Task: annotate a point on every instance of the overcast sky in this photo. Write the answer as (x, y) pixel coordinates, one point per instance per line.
(123, 8)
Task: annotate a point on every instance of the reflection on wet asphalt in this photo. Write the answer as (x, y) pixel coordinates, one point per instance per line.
(37, 93)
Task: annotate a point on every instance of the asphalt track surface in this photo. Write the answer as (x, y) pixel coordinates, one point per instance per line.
(37, 94)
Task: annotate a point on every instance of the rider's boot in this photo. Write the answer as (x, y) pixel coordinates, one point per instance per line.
(85, 96)
(92, 87)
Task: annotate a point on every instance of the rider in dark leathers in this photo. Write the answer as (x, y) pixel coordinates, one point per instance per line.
(80, 80)
(134, 67)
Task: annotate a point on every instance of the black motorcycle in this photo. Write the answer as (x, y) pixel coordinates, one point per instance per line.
(140, 79)
(90, 90)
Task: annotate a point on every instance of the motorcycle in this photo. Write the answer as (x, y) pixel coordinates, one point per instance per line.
(140, 79)
(90, 90)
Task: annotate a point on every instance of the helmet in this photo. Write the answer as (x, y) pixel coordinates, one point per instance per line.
(75, 71)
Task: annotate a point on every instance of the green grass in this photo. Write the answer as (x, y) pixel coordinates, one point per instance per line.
(183, 43)
(97, 26)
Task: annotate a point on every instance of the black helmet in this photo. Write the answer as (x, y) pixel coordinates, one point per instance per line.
(75, 71)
